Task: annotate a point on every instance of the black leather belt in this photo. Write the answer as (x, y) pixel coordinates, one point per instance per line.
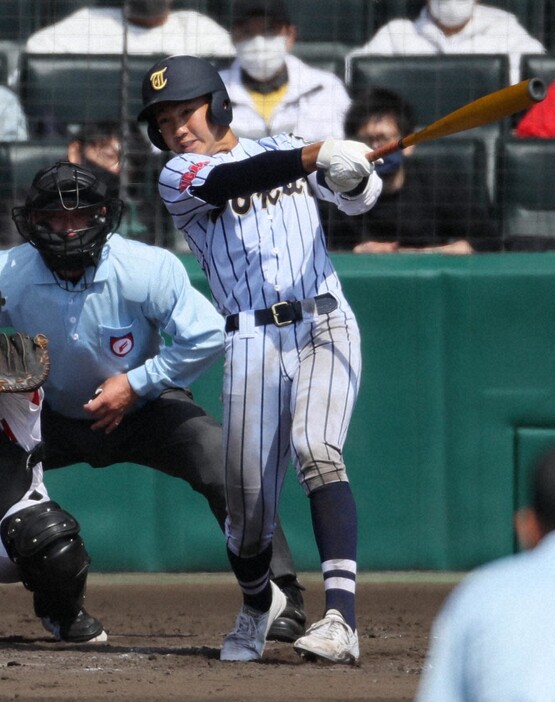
(283, 313)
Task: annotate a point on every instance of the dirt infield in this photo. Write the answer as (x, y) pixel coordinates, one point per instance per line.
(164, 638)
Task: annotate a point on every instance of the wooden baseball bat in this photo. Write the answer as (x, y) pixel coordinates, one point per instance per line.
(484, 110)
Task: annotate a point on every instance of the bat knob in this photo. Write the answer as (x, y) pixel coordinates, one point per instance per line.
(536, 89)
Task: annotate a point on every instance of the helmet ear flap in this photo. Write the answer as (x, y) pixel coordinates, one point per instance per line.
(156, 137)
(220, 108)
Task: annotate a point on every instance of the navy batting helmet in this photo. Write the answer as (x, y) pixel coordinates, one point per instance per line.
(180, 78)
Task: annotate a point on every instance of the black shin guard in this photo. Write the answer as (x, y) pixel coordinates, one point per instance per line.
(44, 542)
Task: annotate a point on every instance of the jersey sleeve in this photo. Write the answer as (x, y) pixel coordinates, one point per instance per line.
(176, 180)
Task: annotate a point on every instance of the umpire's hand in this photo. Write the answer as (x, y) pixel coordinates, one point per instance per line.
(111, 401)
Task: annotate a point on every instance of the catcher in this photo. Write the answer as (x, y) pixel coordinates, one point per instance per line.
(40, 543)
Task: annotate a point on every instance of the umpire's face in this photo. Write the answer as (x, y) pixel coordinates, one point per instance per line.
(186, 128)
(68, 223)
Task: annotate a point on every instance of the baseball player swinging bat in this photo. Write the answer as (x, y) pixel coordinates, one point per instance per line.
(489, 108)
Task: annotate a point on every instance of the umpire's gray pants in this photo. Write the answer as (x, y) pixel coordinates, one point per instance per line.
(171, 434)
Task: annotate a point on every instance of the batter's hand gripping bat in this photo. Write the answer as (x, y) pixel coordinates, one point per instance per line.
(489, 108)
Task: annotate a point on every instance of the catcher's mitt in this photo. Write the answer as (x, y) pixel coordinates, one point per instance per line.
(24, 362)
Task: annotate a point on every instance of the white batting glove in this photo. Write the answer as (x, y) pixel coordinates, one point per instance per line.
(344, 163)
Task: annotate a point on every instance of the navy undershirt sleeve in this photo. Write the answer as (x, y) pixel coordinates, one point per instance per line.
(252, 175)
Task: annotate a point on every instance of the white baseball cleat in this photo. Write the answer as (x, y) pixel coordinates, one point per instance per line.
(331, 640)
(247, 640)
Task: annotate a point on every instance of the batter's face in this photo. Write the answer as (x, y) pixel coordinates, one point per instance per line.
(186, 128)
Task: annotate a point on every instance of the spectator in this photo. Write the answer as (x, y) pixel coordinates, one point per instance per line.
(539, 120)
(13, 127)
(13, 122)
(493, 639)
(455, 27)
(416, 211)
(151, 27)
(123, 165)
(272, 91)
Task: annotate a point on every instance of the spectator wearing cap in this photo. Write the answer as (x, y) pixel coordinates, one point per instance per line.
(273, 91)
(150, 27)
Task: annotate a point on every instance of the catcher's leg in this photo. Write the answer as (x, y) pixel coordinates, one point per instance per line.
(176, 436)
(44, 542)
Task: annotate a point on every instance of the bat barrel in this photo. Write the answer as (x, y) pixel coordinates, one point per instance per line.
(490, 108)
(536, 89)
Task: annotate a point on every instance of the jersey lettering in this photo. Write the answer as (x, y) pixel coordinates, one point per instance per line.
(242, 205)
(188, 177)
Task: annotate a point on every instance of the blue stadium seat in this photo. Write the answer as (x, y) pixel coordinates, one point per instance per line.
(3, 68)
(436, 85)
(525, 194)
(18, 164)
(20, 18)
(538, 66)
(395, 9)
(65, 89)
(328, 56)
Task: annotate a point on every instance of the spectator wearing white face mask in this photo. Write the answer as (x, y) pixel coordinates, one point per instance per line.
(455, 27)
(272, 91)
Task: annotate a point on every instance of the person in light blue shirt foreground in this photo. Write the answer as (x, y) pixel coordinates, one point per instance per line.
(117, 393)
(494, 640)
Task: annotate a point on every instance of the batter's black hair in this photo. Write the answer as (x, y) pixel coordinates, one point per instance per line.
(378, 103)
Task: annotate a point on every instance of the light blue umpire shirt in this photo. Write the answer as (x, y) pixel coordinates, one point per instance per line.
(115, 325)
(494, 639)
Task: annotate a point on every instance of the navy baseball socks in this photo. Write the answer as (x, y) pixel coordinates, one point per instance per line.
(334, 637)
(263, 602)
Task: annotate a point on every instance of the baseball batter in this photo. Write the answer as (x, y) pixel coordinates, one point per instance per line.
(248, 211)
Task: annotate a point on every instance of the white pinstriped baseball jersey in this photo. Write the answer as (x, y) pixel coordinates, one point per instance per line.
(259, 249)
(288, 390)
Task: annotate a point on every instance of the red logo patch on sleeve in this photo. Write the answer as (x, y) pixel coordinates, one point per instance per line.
(188, 177)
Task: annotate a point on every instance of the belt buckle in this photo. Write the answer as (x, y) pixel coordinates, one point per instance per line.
(275, 313)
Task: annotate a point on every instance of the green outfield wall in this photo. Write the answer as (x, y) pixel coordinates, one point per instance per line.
(457, 399)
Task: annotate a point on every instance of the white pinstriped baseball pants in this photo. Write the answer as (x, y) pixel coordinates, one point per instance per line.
(289, 392)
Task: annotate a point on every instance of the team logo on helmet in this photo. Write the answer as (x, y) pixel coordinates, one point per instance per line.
(158, 80)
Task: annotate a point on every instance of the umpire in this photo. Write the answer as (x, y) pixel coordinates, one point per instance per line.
(116, 392)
